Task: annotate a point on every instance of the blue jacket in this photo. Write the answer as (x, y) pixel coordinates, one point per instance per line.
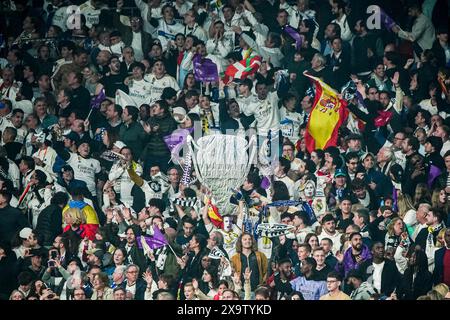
(310, 289)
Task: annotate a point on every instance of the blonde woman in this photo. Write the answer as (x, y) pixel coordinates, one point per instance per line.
(75, 220)
(443, 289)
(91, 77)
(396, 233)
(16, 295)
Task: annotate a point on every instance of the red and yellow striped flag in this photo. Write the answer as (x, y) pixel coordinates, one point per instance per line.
(327, 115)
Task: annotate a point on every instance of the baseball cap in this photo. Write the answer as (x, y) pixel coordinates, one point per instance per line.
(168, 93)
(37, 252)
(67, 168)
(25, 233)
(181, 114)
(340, 173)
(96, 252)
(72, 136)
(119, 145)
(365, 155)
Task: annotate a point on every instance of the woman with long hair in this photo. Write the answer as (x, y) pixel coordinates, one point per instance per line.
(422, 194)
(118, 259)
(312, 240)
(396, 233)
(318, 157)
(440, 200)
(416, 280)
(210, 282)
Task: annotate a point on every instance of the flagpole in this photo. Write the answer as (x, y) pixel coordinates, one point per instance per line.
(172, 250)
(89, 114)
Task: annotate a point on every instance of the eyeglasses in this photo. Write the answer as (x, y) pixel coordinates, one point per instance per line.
(135, 271)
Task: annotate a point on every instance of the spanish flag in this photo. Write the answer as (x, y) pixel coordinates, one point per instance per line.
(213, 214)
(327, 115)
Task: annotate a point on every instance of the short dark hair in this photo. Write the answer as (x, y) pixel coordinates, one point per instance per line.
(311, 261)
(276, 39)
(335, 275)
(29, 162)
(358, 184)
(60, 198)
(438, 213)
(263, 291)
(286, 164)
(354, 234)
(351, 155)
(133, 112)
(413, 142)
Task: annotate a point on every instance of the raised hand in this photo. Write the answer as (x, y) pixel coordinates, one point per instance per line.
(195, 284)
(236, 278)
(339, 256)
(147, 276)
(395, 78)
(247, 274)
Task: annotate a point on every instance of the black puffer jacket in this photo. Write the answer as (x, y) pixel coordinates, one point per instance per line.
(161, 127)
(49, 224)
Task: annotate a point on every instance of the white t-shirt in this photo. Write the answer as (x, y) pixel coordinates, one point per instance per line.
(266, 113)
(377, 271)
(85, 170)
(140, 91)
(136, 44)
(158, 85)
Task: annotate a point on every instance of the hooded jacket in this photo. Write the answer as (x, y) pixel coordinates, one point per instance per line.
(349, 263)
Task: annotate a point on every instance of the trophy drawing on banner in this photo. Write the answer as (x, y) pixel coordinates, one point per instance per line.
(221, 163)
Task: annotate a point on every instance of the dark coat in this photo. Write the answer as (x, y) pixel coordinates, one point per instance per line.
(141, 286)
(228, 123)
(390, 277)
(127, 34)
(49, 224)
(438, 272)
(410, 289)
(134, 137)
(138, 258)
(12, 220)
(156, 145)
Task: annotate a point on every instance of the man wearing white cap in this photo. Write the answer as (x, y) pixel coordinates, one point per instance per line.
(29, 241)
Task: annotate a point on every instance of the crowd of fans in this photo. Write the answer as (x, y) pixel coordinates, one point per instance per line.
(79, 184)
